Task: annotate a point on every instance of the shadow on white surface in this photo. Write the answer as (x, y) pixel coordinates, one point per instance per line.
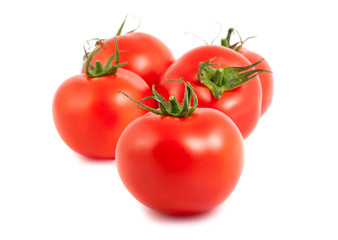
(167, 218)
(93, 160)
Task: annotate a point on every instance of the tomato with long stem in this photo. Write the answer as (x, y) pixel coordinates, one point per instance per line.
(145, 54)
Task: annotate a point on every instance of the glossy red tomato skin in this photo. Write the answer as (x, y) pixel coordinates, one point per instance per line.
(266, 79)
(145, 55)
(242, 105)
(181, 166)
(90, 115)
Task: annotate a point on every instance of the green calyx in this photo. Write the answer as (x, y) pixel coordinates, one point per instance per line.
(225, 42)
(222, 79)
(98, 70)
(172, 107)
(99, 41)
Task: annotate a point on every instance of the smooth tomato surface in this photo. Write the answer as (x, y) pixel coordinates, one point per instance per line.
(90, 115)
(266, 79)
(181, 165)
(242, 105)
(145, 54)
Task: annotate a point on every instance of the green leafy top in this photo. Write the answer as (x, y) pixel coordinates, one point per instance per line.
(172, 107)
(94, 42)
(98, 70)
(222, 79)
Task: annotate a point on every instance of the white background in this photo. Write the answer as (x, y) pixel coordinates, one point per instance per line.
(288, 189)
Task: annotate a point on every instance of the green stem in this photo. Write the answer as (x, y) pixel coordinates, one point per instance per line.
(174, 105)
(225, 42)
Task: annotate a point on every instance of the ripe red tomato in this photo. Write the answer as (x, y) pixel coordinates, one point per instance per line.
(181, 165)
(242, 104)
(145, 54)
(89, 114)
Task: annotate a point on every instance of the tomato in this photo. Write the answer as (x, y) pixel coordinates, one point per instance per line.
(180, 165)
(266, 78)
(242, 104)
(89, 115)
(145, 54)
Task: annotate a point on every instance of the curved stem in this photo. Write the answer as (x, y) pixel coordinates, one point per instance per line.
(206, 43)
(219, 33)
(225, 42)
(98, 41)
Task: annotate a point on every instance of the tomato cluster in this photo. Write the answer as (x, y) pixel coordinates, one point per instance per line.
(179, 149)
